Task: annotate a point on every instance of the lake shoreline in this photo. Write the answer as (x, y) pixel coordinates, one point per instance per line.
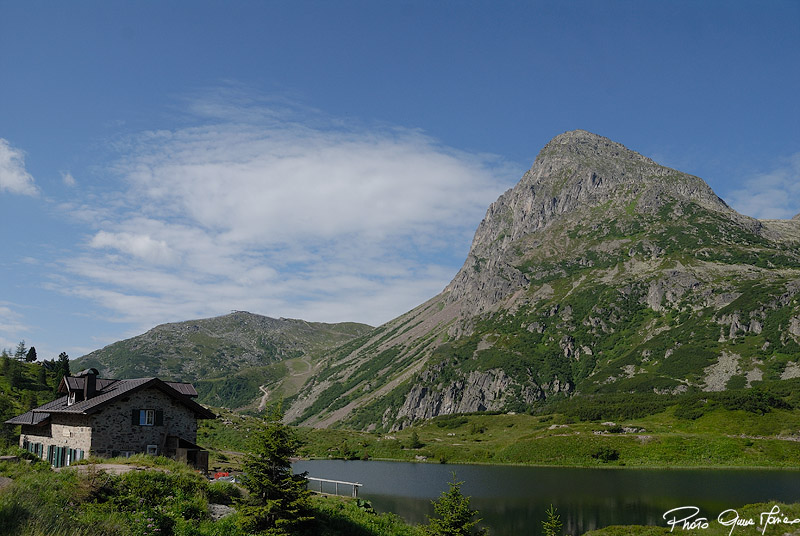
(557, 466)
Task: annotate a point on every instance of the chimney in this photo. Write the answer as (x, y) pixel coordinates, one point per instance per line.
(90, 385)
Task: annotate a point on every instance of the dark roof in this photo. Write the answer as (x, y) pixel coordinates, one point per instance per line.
(186, 389)
(75, 383)
(29, 417)
(108, 391)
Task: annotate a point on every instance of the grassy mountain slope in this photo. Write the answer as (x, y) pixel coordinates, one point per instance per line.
(228, 358)
(600, 272)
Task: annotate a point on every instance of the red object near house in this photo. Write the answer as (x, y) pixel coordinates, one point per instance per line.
(221, 474)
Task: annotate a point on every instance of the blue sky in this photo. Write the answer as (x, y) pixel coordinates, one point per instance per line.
(162, 161)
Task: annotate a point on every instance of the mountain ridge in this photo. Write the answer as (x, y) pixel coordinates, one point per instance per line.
(228, 357)
(596, 243)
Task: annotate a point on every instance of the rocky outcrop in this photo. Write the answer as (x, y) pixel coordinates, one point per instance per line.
(718, 374)
(670, 289)
(478, 391)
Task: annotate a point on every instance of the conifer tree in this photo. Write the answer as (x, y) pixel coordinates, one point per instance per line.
(279, 499)
(42, 375)
(29, 400)
(15, 374)
(63, 363)
(30, 357)
(62, 368)
(455, 517)
(552, 525)
(21, 351)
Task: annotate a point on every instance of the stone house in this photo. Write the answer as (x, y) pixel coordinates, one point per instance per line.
(105, 417)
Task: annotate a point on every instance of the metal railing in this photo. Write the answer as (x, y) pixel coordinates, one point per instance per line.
(336, 483)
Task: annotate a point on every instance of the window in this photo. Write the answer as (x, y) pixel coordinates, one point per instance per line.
(34, 448)
(147, 417)
(152, 450)
(71, 399)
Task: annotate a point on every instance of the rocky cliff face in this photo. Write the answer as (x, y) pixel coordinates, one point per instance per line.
(600, 271)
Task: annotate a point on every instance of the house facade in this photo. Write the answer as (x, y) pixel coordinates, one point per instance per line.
(104, 417)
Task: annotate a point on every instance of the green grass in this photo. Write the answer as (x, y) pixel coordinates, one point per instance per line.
(719, 438)
(755, 427)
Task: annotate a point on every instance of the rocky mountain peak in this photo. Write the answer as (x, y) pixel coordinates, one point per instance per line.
(573, 176)
(583, 144)
(579, 169)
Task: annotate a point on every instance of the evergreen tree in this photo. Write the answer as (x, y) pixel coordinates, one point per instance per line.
(30, 357)
(62, 368)
(5, 363)
(15, 374)
(42, 375)
(21, 351)
(455, 517)
(7, 410)
(414, 442)
(63, 363)
(278, 500)
(29, 400)
(552, 525)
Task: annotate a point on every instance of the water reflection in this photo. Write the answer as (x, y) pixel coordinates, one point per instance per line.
(512, 500)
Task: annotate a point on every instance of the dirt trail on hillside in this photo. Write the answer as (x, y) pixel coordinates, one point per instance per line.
(263, 403)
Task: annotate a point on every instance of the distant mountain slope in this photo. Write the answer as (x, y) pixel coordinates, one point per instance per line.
(600, 271)
(227, 357)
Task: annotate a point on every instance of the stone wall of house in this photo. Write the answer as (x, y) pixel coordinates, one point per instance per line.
(114, 433)
(70, 431)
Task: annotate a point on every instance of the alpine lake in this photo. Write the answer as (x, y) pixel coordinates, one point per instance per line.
(512, 500)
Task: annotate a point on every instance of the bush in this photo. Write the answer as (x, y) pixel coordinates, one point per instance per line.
(606, 454)
(223, 493)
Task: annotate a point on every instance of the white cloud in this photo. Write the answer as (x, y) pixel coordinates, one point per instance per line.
(13, 176)
(282, 215)
(773, 195)
(138, 245)
(68, 179)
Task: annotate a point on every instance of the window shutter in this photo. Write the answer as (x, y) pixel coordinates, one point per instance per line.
(134, 417)
(159, 417)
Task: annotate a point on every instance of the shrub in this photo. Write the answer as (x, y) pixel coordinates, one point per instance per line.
(606, 454)
(223, 492)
